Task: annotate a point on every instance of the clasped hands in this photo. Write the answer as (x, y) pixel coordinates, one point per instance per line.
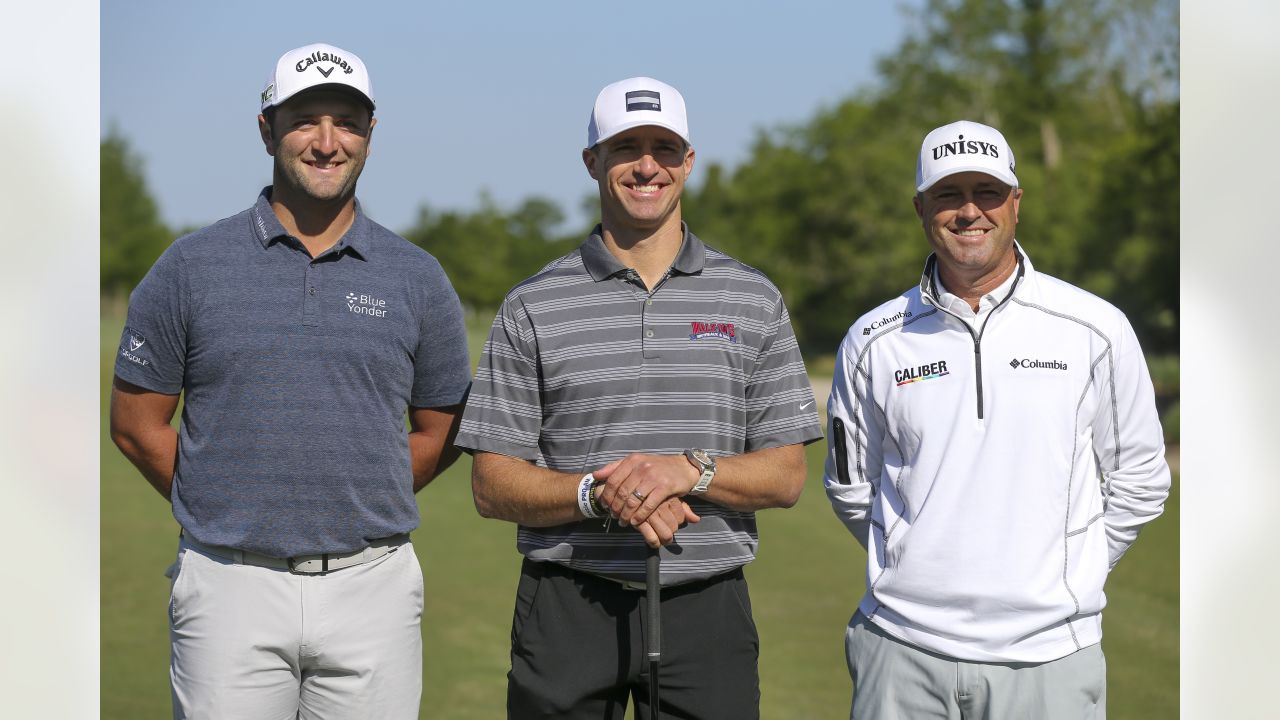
(646, 491)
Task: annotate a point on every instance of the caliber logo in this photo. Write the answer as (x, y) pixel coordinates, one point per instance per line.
(269, 92)
(931, 371)
(132, 343)
(366, 305)
(1045, 364)
(701, 330)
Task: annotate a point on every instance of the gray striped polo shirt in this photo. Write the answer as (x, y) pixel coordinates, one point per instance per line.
(583, 367)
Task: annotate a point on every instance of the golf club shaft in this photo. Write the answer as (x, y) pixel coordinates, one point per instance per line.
(653, 643)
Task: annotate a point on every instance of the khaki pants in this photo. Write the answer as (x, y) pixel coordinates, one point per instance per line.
(264, 643)
(893, 680)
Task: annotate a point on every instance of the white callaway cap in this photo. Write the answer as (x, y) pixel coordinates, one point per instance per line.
(964, 146)
(315, 66)
(634, 102)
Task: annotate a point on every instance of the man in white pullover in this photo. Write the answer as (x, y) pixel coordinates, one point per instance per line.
(995, 447)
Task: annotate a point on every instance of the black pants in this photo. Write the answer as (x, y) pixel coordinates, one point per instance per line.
(577, 648)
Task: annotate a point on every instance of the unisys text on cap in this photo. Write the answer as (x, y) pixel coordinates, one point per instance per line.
(964, 146)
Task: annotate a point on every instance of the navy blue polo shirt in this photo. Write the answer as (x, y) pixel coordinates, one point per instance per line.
(296, 374)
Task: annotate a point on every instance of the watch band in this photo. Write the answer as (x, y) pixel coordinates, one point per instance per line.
(706, 465)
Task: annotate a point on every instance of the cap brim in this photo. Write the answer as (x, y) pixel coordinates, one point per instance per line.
(354, 92)
(641, 122)
(1007, 178)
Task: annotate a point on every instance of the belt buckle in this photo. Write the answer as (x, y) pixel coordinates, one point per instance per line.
(293, 563)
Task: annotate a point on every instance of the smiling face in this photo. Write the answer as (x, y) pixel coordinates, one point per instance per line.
(970, 218)
(641, 174)
(320, 140)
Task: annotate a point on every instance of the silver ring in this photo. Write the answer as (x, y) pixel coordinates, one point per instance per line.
(638, 496)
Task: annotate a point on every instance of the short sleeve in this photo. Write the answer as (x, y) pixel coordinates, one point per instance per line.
(441, 365)
(504, 409)
(153, 346)
(780, 403)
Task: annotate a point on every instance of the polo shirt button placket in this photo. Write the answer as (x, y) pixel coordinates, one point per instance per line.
(311, 303)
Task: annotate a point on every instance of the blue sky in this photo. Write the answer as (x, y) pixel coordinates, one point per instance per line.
(472, 97)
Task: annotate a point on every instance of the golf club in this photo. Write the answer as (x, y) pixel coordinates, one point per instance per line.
(653, 643)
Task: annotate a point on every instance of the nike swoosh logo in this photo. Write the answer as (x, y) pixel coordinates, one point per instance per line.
(322, 72)
(806, 405)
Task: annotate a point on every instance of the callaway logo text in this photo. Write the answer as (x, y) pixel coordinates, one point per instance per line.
(316, 57)
(702, 330)
(932, 371)
(366, 305)
(1047, 364)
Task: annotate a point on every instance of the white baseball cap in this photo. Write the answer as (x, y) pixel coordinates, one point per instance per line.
(634, 102)
(964, 146)
(315, 66)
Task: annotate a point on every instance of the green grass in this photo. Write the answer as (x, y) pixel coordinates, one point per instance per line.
(805, 584)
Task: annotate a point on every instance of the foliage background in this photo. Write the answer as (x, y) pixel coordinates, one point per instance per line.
(1086, 91)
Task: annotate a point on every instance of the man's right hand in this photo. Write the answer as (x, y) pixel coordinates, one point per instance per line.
(660, 527)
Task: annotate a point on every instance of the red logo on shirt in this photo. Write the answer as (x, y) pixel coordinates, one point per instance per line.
(700, 330)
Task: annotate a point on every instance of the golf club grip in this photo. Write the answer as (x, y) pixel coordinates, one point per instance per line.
(653, 643)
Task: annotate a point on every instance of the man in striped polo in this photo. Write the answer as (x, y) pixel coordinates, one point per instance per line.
(644, 388)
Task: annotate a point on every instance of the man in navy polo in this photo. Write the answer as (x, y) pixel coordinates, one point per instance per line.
(299, 334)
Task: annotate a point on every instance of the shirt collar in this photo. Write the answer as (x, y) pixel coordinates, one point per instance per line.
(985, 303)
(268, 228)
(932, 291)
(601, 264)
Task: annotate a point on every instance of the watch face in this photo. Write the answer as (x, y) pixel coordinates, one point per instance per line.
(703, 457)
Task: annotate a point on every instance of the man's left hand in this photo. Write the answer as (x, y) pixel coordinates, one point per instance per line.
(638, 484)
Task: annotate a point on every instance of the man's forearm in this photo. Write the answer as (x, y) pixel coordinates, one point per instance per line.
(140, 428)
(429, 457)
(431, 449)
(154, 452)
(508, 488)
(768, 478)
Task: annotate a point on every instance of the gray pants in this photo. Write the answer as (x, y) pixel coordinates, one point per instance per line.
(893, 680)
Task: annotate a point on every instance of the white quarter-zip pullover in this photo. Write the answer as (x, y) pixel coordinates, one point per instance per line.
(995, 471)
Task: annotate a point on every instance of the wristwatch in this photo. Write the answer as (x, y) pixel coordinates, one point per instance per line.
(705, 465)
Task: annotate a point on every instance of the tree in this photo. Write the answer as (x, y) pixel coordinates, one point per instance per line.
(824, 207)
(132, 234)
(488, 251)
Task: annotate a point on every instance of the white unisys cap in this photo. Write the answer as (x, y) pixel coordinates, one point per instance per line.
(964, 146)
(635, 102)
(315, 66)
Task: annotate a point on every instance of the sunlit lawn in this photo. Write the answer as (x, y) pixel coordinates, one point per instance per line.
(804, 585)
